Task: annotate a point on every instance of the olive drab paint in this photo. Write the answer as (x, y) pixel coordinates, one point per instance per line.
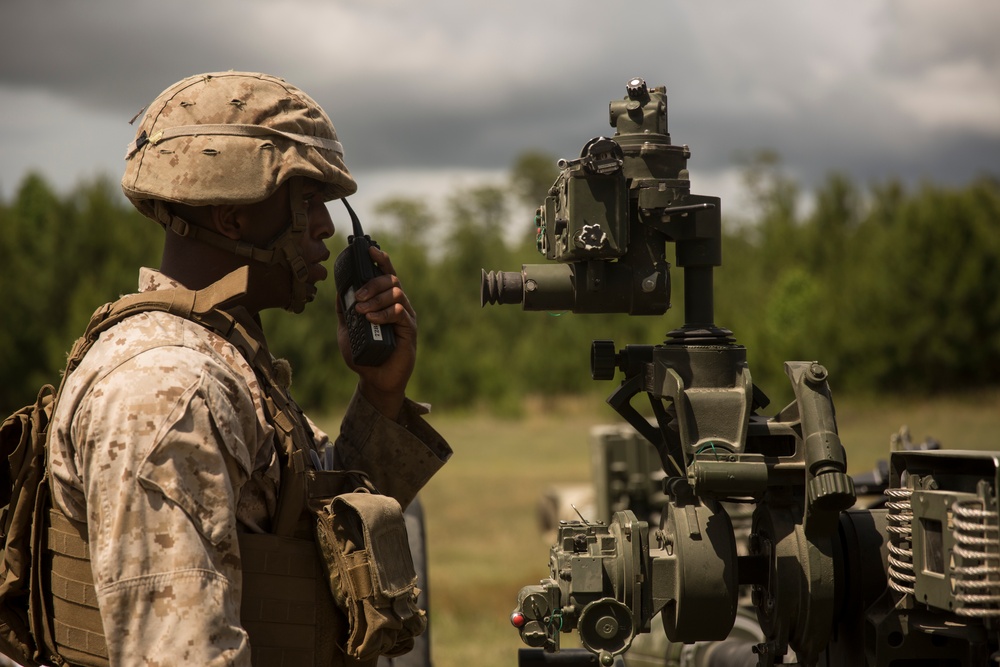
(730, 535)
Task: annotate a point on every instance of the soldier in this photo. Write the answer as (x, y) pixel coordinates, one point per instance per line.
(175, 448)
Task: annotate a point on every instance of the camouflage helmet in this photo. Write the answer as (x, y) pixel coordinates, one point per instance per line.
(235, 138)
(231, 138)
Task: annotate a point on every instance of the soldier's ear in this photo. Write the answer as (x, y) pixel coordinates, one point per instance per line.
(226, 220)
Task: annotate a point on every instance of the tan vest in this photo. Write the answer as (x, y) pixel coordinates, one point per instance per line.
(286, 599)
(286, 596)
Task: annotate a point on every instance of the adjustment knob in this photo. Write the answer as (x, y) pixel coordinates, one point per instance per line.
(603, 360)
(832, 491)
(637, 89)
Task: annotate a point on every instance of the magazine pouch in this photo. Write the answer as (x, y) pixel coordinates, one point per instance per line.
(364, 549)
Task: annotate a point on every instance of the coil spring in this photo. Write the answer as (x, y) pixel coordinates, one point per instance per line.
(900, 518)
(976, 580)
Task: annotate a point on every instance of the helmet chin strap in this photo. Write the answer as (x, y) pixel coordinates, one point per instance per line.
(283, 250)
(288, 242)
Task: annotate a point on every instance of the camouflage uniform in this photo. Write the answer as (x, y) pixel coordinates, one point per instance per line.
(161, 446)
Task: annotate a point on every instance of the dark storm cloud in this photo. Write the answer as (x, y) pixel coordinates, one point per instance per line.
(872, 89)
(107, 55)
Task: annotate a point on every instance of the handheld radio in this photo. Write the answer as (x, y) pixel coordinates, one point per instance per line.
(371, 344)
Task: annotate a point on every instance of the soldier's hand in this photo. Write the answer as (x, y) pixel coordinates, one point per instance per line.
(382, 301)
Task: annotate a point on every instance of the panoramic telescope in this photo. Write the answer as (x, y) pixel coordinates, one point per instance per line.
(910, 579)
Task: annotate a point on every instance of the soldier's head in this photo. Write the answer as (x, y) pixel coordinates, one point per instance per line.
(241, 162)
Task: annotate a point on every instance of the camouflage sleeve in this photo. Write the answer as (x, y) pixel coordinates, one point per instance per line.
(398, 456)
(164, 442)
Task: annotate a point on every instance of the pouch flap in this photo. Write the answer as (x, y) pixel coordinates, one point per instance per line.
(383, 530)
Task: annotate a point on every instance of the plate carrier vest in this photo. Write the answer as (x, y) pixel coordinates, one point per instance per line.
(287, 609)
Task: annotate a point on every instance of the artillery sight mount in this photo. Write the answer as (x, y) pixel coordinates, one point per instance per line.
(910, 582)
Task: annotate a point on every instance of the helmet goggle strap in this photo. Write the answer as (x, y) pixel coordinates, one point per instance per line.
(284, 249)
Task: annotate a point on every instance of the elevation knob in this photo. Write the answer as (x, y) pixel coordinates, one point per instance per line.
(603, 360)
(637, 89)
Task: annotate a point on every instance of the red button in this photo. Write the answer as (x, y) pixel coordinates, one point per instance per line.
(517, 619)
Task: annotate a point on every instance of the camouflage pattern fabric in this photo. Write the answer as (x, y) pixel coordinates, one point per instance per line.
(231, 138)
(161, 446)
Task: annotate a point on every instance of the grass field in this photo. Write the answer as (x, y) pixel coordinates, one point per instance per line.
(484, 543)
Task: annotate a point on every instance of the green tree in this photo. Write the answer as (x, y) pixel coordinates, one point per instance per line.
(411, 226)
(927, 310)
(531, 176)
(61, 258)
(892, 289)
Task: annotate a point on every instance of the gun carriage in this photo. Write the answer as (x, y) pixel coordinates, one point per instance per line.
(913, 579)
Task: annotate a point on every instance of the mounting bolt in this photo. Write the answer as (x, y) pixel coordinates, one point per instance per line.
(816, 373)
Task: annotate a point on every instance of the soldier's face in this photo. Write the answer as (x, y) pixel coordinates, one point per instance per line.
(265, 221)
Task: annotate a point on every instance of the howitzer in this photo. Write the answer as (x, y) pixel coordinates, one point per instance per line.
(912, 581)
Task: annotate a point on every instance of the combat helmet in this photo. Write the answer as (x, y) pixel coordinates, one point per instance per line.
(234, 138)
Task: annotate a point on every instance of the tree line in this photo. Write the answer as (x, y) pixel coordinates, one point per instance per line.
(893, 288)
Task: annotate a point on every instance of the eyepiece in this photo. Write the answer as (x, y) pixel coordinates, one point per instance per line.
(501, 287)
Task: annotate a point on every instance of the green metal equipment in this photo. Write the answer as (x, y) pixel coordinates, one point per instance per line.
(742, 540)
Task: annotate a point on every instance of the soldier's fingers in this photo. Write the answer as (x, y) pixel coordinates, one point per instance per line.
(383, 260)
(386, 300)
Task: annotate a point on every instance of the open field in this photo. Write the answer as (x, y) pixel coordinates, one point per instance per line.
(483, 537)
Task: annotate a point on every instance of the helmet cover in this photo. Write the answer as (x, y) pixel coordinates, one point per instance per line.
(231, 138)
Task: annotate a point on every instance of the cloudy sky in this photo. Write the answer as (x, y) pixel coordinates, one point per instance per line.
(431, 94)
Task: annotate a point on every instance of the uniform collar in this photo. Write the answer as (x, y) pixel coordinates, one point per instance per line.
(151, 280)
